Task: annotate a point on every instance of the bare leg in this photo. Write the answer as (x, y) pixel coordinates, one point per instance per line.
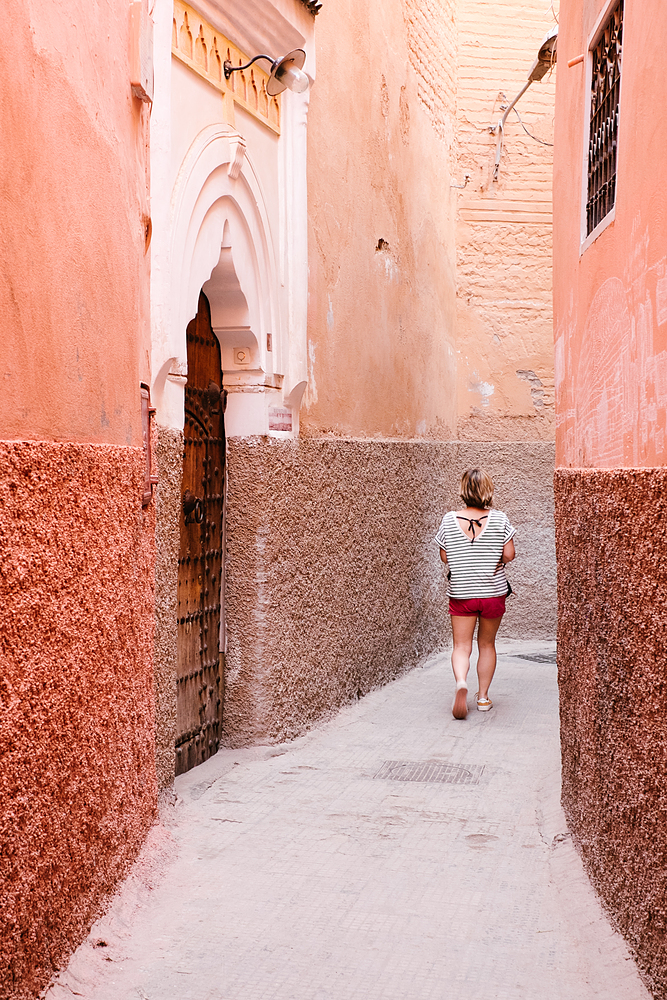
(463, 630)
(486, 662)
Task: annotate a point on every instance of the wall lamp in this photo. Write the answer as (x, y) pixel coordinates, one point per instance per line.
(286, 73)
(546, 58)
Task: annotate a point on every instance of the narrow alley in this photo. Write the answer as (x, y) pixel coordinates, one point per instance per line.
(279, 281)
(390, 853)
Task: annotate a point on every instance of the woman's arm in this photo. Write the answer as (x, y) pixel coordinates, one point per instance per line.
(509, 551)
(443, 555)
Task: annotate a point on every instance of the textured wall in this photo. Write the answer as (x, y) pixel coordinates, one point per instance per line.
(432, 45)
(503, 235)
(449, 317)
(77, 781)
(610, 316)
(334, 584)
(168, 511)
(612, 638)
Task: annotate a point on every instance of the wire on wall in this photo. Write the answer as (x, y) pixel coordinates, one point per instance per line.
(542, 141)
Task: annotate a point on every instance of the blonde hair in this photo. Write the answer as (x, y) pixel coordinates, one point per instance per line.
(477, 489)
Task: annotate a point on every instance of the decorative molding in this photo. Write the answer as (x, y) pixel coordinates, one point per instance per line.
(237, 148)
(197, 44)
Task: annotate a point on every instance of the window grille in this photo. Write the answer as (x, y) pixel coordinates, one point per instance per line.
(605, 93)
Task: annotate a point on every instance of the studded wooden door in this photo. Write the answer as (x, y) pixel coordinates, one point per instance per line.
(200, 675)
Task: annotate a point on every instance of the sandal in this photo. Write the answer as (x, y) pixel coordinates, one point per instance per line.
(483, 704)
(460, 706)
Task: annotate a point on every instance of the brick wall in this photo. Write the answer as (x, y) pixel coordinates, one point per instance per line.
(504, 321)
(432, 51)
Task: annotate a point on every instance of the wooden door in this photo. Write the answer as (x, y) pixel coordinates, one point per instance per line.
(200, 673)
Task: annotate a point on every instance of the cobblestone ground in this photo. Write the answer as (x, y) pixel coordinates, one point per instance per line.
(322, 870)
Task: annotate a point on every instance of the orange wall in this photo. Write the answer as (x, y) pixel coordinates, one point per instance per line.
(610, 303)
(77, 729)
(381, 322)
(77, 726)
(73, 208)
(446, 331)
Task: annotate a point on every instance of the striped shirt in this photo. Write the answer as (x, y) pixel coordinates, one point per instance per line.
(473, 565)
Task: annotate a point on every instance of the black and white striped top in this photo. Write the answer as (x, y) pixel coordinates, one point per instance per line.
(474, 564)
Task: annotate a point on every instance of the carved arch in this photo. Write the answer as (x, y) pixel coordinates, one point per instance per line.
(220, 238)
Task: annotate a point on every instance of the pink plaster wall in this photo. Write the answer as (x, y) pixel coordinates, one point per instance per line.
(612, 636)
(73, 211)
(77, 774)
(77, 779)
(444, 329)
(610, 303)
(610, 317)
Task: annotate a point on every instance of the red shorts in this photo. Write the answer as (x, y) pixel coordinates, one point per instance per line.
(485, 607)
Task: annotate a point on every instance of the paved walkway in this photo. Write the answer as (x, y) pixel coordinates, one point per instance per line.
(316, 871)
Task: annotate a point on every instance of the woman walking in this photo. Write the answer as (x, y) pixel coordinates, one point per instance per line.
(475, 543)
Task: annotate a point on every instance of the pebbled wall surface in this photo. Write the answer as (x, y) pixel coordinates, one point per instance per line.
(167, 539)
(612, 636)
(77, 773)
(334, 585)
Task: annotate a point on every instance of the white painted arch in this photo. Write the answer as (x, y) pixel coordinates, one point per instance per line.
(221, 239)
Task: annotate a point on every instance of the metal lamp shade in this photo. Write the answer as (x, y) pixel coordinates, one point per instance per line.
(280, 73)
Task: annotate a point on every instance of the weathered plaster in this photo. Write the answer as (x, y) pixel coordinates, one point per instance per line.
(77, 782)
(381, 318)
(168, 512)
(503, 234)
(611, 371)
(334, 585)
(73, 215)
(610, 301)
(611, 652)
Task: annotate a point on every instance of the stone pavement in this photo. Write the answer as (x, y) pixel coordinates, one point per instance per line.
(325, 869)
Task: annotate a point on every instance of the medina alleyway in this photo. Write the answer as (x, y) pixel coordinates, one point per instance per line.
(391, 853)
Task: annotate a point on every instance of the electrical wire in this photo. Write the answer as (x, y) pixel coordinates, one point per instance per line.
(542, 141)
(554, 12)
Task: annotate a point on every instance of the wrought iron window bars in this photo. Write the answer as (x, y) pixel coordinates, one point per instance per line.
(603, 135)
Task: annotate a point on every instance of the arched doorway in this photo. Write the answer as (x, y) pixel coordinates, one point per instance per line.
(200, 661)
